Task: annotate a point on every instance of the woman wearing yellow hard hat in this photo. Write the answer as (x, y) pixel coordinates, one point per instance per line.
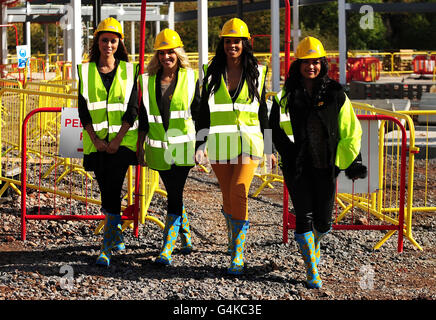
(317, 134)
(170, 102)
(233, 113)
(108, 109)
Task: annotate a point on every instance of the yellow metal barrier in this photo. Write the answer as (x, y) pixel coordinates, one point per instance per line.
(425, 143)
(380, 207)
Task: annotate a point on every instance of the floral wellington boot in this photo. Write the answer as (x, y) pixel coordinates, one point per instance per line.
(306, 242)
(172, 226)
(239, 233)
(109, 236)
(185, 234)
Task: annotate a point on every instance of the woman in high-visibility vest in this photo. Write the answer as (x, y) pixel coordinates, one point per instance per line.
(317, 134)
(170, 102)
(108, 109)
(233, 117)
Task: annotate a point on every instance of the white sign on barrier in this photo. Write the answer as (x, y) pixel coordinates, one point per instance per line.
(370, 157)
(71, 143)
(23, 56)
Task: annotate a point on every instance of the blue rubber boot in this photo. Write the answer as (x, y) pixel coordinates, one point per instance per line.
(318, 237)
(118, 244)
(306, 242)
(228, 219)
(172, 226)
(185, 234)
(239, 234)
(109, 236)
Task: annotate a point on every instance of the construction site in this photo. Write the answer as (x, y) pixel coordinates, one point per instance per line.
(382, 246)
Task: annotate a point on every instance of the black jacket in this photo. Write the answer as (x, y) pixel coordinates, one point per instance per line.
(326, 106)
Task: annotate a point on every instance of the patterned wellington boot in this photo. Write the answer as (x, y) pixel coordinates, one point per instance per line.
(239, 233)
(306, 242)
(228, 218)
(118, 244)
(185, 234)
(318, 237)
(172, 226)
(109, 235)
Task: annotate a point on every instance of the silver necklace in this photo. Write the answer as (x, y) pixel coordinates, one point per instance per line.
(237, 87)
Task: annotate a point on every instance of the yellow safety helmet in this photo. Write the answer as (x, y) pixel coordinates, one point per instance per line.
(167, 39)
(310, 48)
(235, 28)
(109, 25)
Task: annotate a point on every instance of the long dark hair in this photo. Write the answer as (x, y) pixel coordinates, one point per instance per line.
(249, 68)
(294, 80)
(120, 54)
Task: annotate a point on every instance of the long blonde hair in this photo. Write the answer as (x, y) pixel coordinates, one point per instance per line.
(182, 60)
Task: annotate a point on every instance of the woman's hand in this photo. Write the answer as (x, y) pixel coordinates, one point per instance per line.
(115, 142)
(270, 162)
(100, 145)
(113, 146)
(200, 156)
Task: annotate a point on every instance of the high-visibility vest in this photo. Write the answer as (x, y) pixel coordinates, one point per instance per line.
(107, 110)
(177, 144)
(349, 130)
(234, 127)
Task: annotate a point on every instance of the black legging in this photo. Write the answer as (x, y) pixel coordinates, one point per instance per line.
(110, 174)
(174, 181)
(313, 196)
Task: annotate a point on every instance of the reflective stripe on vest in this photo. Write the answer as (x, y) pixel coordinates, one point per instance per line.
(285, 120)
(107, 109)
(177, 144)
(234, 127)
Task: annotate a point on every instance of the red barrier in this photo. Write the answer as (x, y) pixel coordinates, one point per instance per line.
(289, 218)
(128, 214)
(333, 68)
(424, 64)
(365, 69)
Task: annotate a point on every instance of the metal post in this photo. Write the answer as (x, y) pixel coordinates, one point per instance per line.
(295, 21)
(96, 13)
(171, 15)
(203, 44)
(47, 61)
(239, 9)
(287, 36)
(132, 39)
(342, 42)
(27, 24)
(76, 37)
(3, 36)
(275, 45)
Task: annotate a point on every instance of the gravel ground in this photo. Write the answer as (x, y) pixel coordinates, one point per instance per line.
(57, 261)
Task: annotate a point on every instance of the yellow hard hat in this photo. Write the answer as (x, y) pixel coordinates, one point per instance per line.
(310, 48)
(167, 39)
(109, 25)
(235, 28)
